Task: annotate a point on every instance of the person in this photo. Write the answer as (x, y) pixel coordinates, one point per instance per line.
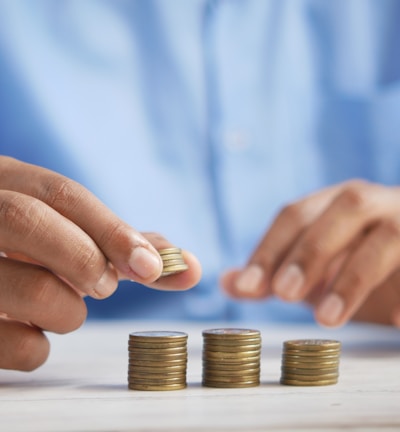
(262, 136)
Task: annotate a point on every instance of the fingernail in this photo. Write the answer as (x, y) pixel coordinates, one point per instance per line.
(249, 279)
(145, 263)
(330, 309)
(107, 283)
(289, 283)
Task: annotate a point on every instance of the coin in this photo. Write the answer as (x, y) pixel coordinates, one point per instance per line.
(173, 261)
(312, 344)
(157, 360)
(231, 348)
(162, 369)
(171, 250)
(310, 362)
(313, 365)
(315, 371)
(231, 357)
(158, 336)
(231, 333)
(219, 355)
(174, 269)
(158, 353)
(139, 362)
(152, 387)
(232, 342)
(229, 367)
(209, 383)
(293, 376)
(297, 382)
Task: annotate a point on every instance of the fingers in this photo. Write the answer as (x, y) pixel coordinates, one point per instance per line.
(370, 264)
(349, 214)
(355, 225)
(31, 227)
(383, 304)
(32, 294)
(254, 280)
(178, 282)
(129, 251)
(22, 347)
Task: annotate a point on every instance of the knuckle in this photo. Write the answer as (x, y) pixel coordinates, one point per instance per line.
(293, 213)
(31, 351)
(391, 228)
(312, 250)
(57, 307)
(43, 294)
(353, 282)
(73, 318)
(61, 192)
(16, 214)
(87, 259)
(86, 265)
(117, 234)
(355, 196)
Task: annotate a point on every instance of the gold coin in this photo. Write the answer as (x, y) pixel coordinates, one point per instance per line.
(156, 380)
(230, 333)
(144, 375)
(169, 250)
(158, 336)
(160, 370)
(311, 372)
(293, 376)
(231, 354)
(232, 342)
(230, 378)
(211, 371)
(238, 361)
(312, 344)
(310, 366)
(208, 383)
(231, 348)
(167, 271)
(230, 366)
(158, 357)
(157, 345)
(311, 355)
(309, 358)
(297, 382)
(147, 387)
(140, 362)
(157, 351)
(172, 262)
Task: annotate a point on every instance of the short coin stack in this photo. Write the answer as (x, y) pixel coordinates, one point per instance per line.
(310, 362)
(157, 360)
(173, 261)
(231, 358)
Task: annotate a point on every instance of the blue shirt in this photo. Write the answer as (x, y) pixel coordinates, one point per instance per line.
(201, 119)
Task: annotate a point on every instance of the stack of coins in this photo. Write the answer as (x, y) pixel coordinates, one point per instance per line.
(157, 360)
(173, 261)
(231, 358)
(310, 362)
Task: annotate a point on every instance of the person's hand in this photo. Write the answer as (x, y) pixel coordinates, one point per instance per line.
(338, 249)
(58, 244)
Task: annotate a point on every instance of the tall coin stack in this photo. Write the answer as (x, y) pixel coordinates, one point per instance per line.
(310, 362)
(231, 358)
(157, 360)
(173, 261)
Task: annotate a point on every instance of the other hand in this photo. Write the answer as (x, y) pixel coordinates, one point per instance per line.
(338, 249)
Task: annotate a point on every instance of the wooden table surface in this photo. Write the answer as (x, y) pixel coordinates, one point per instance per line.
(83, 386)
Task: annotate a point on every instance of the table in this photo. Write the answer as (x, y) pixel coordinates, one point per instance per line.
(83, 386)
